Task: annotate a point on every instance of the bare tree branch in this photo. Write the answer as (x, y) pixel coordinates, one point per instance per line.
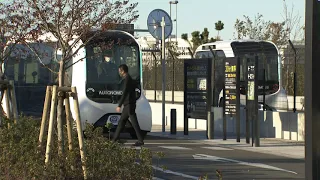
(70, 20)
(15, 27)
(81, 59)
(37, 55)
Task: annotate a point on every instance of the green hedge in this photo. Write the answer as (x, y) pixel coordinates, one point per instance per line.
(21, 158)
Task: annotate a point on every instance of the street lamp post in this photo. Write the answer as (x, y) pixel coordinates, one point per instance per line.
(173, 82)
(177, 22)
(176, 19)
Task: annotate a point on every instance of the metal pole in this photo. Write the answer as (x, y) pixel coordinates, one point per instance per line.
(171, 18)
(177, 24)
(256, 116)
(294, 90)
(238, 99)
(264, 88)
(294, 76)
(173, 122)
(172, 97)
(185, 100)
(210, 115)
(210, 118)
(173, 81)
(163, 77)
(155, 78)
(247, 113)
(251, 98)
(224, 113)
(295, 84)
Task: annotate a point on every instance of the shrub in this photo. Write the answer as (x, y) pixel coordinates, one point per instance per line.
(21, 158)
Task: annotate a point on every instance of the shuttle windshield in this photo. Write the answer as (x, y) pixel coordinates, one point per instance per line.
(102, 65)
(104, 83)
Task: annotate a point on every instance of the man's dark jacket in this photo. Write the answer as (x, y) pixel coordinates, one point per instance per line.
(128, 94)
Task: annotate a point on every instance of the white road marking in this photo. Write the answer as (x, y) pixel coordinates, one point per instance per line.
(154, 143)
(175, 147)
(132, 147)
(218, 148)
(175, 173)
(155, 178)
(171, 172)
(220, 159)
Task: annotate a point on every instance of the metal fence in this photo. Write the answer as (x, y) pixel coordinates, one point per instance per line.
(152, 75)
(152, 79)
(294, 56)
(288, 79)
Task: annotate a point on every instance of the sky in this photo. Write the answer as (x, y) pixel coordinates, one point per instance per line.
(198, 14)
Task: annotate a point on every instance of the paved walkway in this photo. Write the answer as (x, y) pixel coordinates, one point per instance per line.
(286, 148)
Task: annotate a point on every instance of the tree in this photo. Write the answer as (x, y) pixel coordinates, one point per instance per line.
(15, 28)
(295, 32)
(185, 37)
(68, 22)
(252, 29)
(198, 39)
(205, 36)
(71, 22)
(219, 26)
(195, 40)
(173, 49)
(259, 29)
(276, 33)
(292, 23)
(240, 29)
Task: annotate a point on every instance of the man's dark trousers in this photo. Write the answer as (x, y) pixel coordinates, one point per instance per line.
(129, 110)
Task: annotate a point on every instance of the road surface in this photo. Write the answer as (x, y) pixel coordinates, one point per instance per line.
(186, 159)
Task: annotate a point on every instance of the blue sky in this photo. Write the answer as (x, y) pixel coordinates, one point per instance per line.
(198, 14)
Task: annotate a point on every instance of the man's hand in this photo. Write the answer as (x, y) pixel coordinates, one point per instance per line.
(118, 109)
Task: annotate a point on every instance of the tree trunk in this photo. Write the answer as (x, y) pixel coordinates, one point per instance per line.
(1, 95)
(60, 109)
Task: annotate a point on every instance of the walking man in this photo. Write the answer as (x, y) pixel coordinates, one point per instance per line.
(128, 100)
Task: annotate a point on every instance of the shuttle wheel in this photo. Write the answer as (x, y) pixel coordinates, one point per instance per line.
(134, 135)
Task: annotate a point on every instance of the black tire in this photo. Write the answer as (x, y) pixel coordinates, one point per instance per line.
(134, 135)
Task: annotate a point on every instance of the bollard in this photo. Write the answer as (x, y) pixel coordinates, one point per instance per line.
(166, 120)
(173, 121)
(186, 125)
(210, 125)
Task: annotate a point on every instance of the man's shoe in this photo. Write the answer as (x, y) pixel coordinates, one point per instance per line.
(138, 143)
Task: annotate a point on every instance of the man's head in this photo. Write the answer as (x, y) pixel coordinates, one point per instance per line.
(108, 55)
(107, 59)
(123, 70)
